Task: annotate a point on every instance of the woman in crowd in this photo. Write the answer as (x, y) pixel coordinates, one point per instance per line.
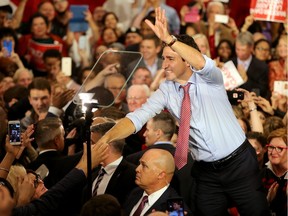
(39, 37)
(278, 67)
(274, 176)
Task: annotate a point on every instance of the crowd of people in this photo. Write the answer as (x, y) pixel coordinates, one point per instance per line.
(166, 128)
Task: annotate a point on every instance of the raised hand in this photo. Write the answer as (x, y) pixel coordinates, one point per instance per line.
(161, 26)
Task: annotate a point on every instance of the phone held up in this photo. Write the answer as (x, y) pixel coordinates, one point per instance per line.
(66, 66)
(175, 206)
(234, 96)
(8, 46)
(14, 131)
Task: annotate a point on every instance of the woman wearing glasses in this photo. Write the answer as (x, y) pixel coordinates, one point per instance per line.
(275, 176)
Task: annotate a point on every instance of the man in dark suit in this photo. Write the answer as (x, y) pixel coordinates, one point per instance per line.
(153, 176)
(119, 176)
(49, 136)
(158, 135)
(253, 71)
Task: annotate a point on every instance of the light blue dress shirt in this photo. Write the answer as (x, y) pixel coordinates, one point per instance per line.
(214, 130)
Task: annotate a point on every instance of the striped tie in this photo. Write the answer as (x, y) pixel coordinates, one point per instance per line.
(99, 179)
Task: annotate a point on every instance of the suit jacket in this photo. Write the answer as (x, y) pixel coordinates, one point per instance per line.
(257, 73)
(58, 165)
(159, 205)
(121, 183)
(182, 180)
(53, 199)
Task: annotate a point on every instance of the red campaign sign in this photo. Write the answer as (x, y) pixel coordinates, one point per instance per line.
(36, 51)
(269, 10)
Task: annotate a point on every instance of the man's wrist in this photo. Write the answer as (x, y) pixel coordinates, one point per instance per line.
(171, 41)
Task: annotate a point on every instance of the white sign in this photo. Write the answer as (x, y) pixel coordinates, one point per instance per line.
(281, 87)
(231, 76)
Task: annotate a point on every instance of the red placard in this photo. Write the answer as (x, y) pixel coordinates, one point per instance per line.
(36, 51)
(269, 10)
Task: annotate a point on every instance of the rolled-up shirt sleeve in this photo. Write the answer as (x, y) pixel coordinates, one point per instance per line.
(154, 105)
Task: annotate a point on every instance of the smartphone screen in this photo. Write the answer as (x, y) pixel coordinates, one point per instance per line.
(66, 66)
(175, 207)
(14, 132)
(7, 44)
(82, 42)
(235, 96)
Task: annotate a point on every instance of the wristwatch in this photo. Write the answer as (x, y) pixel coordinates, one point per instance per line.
(174, 39)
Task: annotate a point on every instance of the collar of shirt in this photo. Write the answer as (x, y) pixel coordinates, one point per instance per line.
(46, 150)
(269, 166)
(245, 63)
(153, 68)
(110, 168)
(152, 198)
(163, 142)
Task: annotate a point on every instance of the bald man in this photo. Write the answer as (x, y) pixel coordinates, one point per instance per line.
(153, 176)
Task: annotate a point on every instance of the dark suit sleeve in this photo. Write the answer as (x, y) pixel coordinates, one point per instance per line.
(257, 77)
(49, 203)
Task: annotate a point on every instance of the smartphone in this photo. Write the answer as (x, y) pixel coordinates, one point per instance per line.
(256, 91)
(192, 16)
(43, 171)
(234, 96)
(220, 18)
(14, 131)
(66, 66)
(82, 42)
(7, 44)
(175, 206)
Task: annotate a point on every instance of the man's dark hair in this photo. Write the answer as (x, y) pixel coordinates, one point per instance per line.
(40, 83)
(9, 32)
(257, 136)
(37, 15)
(46, 130)
(156, 40)
(104, 205)
(262, 40)
(165, 122)
(102, 128)
(52, 53)
(184, 38)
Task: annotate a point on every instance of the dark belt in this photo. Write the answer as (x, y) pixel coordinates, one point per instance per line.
(226, 160)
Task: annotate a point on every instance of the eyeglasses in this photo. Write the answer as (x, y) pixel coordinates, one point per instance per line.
(37, 180)
(134, 98)
(277, 149)
(263, 49)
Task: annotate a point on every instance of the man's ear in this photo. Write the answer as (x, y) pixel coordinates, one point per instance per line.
(57, 141)
(159, 133)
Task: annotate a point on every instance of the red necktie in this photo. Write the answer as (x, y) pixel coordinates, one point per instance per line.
(184, 130)
(141, 206)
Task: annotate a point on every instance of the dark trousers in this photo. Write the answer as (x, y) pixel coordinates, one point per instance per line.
(236, 182)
